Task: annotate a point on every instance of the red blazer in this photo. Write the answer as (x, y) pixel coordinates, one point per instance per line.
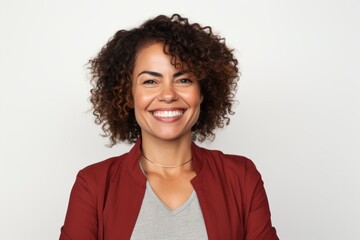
(106, 198)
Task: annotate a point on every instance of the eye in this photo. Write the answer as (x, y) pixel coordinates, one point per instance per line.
(149, 82)
(185, 81)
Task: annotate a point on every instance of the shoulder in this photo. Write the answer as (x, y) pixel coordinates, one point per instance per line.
(218, 158)
(119, 168)
(230, 164)
(101, 171)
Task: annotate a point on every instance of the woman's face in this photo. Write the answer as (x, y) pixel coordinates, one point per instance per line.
(166, 99)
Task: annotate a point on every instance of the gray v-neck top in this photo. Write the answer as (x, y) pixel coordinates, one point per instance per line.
(157, 221)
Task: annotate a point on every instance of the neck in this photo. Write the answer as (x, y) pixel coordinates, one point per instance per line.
(166, 153)
(166, 166)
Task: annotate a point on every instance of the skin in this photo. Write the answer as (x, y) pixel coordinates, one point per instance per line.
(166, 104)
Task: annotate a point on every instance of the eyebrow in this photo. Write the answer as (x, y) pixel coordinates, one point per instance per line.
(156, 74)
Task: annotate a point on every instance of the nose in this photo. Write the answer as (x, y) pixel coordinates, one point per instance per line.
(168, 93)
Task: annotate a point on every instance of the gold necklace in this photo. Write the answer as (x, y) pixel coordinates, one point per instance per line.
(165, 166)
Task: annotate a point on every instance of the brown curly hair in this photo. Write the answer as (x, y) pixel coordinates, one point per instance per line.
(202, 51)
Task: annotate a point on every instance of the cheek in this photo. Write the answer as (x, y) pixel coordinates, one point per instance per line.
(196, 98)
(142, 100)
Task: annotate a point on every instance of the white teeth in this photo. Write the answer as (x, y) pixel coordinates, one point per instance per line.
(168, 114)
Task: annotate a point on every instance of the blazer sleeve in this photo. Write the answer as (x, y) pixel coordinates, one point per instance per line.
(258, 224)
(81, 217)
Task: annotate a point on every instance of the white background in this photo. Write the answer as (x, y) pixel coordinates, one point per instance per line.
(298, 114)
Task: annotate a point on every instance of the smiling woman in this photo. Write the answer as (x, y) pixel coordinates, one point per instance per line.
(166, 99)
(162, 86)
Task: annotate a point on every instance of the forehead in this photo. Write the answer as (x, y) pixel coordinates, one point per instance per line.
(148, 50)
(153, 55)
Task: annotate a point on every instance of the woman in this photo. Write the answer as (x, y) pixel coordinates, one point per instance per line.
(162, 86)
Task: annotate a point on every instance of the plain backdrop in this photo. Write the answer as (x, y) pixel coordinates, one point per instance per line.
(297, 116)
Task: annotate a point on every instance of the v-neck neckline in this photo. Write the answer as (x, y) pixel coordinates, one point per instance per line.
(164, 206)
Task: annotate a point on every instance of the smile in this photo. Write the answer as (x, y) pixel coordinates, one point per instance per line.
(168, 114)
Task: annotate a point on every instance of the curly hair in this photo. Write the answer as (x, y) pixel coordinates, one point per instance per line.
(203, 52)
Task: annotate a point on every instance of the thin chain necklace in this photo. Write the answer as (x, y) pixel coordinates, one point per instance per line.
(165, 166)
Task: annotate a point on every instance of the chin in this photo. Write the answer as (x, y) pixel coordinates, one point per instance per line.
(171, 136)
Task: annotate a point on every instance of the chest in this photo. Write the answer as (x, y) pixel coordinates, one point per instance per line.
(173, 192)
(221, 208)
(157, 221)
